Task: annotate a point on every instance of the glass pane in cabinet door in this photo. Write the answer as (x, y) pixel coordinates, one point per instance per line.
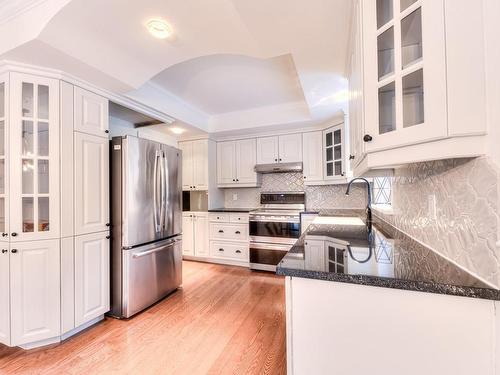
(338, 168)
(337, 152)
(43, 176)
(387, 108)
(2, 214)
(406, 3)
(28, 167)
(27, 98)
(329, 139)
(43, 139)
(2, 176)
(385, 53)
(43, 102)
(27, 138)
(413, 98)
(329, 154)
(329, 169)
(411, 38)
(43, 214)
(384, 12)
(2, 99)
(28, 215)
(2, 138)
(337, 139)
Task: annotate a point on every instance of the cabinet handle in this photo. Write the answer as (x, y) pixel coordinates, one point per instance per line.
(13, 251)
(4, 234)
(108, 237)
(367, 138)
(234, 180)
(238, 251)
(280, 159)
(305, 177)
(342, 174)
(351, 157)
(221, 249)
(4, 251)
(13, 234)
(237, 180)
(275, 159)
(218, 218)
(221, 231)
(108, 224)
(237, 232)
(106, 131)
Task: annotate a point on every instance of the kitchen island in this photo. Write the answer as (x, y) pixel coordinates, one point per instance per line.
(367, 299)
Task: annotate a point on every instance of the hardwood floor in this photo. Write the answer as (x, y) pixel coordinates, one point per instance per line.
(225, 320)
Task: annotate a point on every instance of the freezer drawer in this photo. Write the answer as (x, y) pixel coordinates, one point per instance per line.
(150, 273)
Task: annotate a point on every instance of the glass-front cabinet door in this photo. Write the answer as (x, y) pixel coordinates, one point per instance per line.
(333, 153)
(34, 169)
(4, 166)
(405, 83)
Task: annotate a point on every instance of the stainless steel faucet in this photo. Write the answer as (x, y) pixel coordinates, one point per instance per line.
(369, 190)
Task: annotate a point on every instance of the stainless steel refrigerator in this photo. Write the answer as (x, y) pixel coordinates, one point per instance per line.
(146, 223)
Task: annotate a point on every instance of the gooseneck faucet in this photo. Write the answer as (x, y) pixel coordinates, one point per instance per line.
(369, 191)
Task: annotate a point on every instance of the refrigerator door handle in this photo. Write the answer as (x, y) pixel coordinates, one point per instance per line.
(155, 192)
(148, 252)
(166, 189)
(162, 187)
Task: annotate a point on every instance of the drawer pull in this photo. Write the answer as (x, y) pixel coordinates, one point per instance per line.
(218, 218)
(221, 249)
(4, 251)
(237, 232)
(13, 251)
(221, 231)
(238, 251)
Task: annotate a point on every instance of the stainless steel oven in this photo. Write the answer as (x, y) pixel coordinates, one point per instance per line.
(274, 228)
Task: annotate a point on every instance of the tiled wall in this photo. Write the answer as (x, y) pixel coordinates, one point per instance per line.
(317, 197)
(466, 225)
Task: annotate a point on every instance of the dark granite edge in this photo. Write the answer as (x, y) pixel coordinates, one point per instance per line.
(417, 286)
(235, 210)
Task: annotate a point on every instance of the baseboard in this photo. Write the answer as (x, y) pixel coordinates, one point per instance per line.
(84, 326)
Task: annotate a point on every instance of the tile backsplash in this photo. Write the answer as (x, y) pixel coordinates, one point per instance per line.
(463, 224)
(317, 197)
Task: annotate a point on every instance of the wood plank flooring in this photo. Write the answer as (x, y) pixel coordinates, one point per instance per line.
(225, 320)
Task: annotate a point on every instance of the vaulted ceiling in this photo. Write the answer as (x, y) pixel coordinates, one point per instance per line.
(231, 64)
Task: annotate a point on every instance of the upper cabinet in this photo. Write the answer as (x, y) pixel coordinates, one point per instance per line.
(34, 158)
(195, 164)
(91, 113)
(333, 153)
(235, 163)
(412, 81)
(279, 149)
(4, 162)
(313, 157)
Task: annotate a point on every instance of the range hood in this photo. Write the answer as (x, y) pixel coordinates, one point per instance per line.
(278, 167)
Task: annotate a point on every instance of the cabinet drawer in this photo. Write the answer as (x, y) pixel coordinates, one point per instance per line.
(239, 218)
(224, 231)
(229, 250)
(220, 217)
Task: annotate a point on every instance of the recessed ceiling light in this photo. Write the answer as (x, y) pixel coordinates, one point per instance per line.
(159, 28)
(176, 130)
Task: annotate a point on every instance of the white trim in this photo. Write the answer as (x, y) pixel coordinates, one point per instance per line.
(12, 66)
(225, 262)
(84, 326)
(12, 9)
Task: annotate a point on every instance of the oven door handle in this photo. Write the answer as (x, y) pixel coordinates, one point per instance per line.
(261, 246)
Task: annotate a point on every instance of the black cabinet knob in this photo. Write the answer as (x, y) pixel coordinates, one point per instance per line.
(218, 218)
(237, 232)
(221, 249)
(108, 224)
(221, 231)
(280, 159)
(4, 251)
(237, 179)
(367, 138)
(4, 234)
(108, 237)
(305, 177)
(238, 251)
(13, 251)
(275, 159)
(13, 234)
(106, 131)
(351, 157)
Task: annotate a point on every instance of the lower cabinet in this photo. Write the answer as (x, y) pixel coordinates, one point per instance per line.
(229, 237)
(4, 294)
(195, 234)
(34, 291)
(91, 276)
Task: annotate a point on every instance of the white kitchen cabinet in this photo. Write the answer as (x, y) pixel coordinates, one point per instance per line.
(410, 105)
(91, 113)
(4, 294)
(91, 168)
(91, 276)
(235, 163)
(195, 234)
(34, 291)
(195, 164)
(280, 149)
(306, 220)
(334, 154)
(313, 157)
(34, 157)
(4, 153)
(267, 150)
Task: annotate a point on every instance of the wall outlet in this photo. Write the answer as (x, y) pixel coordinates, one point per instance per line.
(235, 197)
(432, 206)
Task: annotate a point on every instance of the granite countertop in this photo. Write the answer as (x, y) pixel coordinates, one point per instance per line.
(242, 210)
(378, 255)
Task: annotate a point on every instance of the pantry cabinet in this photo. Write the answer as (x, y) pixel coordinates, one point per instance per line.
(195, 164)
(91, 168)
(91, 277)
(410, 61)
(195, 234)
(34, 291)
(91, 113)
(235, 163)
(280, 149)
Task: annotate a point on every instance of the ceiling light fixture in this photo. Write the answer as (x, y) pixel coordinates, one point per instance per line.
(176, 130)
(159, 28)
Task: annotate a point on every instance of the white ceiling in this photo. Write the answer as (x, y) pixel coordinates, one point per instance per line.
(232, 64)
